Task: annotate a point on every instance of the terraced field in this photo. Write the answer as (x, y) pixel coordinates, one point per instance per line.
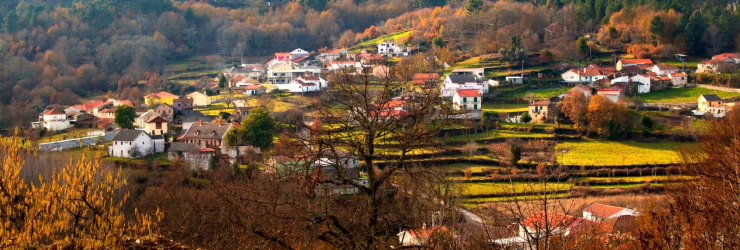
(591, 152)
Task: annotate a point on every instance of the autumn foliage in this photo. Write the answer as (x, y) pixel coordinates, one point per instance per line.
(78, 203)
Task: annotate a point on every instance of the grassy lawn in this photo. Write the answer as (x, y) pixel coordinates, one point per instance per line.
(689, 63)
(216, 112)
(493, 134)
(513, 198)
(475, 168)
(542, 93)
(377, 40)
(472, 62)
(680, 95)
(609, 153)
(507, 187)
(515, 71)
(504, 108)
(636, 179)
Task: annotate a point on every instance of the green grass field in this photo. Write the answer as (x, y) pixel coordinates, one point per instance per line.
(377, 40)
(504, 108)
(610, 153)
(636, 179)
(472, 62)
(680, 95)
(506, 187)
(475, 168)
(542, 93)
(495, 134)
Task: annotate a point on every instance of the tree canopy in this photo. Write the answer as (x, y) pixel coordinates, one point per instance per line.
(258, 128)
(124, 116)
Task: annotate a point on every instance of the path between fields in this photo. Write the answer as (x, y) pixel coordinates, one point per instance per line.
(718, 88)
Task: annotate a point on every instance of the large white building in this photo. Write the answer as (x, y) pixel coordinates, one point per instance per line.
(302, 84)
(454, 82)
(134, 144)
(391, 48)
(52, 120)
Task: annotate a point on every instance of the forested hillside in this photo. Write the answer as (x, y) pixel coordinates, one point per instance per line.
(58, 51)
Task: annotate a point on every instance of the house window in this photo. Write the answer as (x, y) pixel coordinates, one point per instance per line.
(475, 107)
(159, 125)
(475, 99)
(465, 99)
(465, 106)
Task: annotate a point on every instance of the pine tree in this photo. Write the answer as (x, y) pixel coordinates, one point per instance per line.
(222, 82)
(693, 33)
(11, 23)
(473, 6)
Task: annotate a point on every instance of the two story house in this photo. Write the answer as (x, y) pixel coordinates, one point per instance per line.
(162, 97)
(135, 143)
(52, 120)
(540, 111)
(208, 135)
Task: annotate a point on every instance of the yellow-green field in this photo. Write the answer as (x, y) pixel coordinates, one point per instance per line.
(609, 153)
(504, 108)
(513, 187)
(681, 95)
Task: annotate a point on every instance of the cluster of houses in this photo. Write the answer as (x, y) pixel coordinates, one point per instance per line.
(721, 63)
(608, 224)
(632, 76)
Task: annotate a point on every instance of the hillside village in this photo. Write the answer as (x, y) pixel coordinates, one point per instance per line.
(194, 128)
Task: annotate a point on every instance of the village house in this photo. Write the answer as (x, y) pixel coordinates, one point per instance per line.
(251, 90)
(208, 135)
(285, 72)
(341, 65)
(586, 90)
(714, 105)
(134, 144)
(242, 112)
(477, 72)
(679, 79)
(194, 117)
(303, 84)
(93, 107)
(199, 99)
(245, 82)
(719, 63)
(583, 75)
(196, 156)
(601, 212)
(540, 111)
(515, 79)
(156, 126)
(370, 59)
(420, 238)
(390, 48)
(664, 69)
(166, 111)
(52, 120)
(454, 82)
(183, 106)
(426, 80)
(162, 97)
(467, 99)
(614, 94)
(643, 82)
(333, 55)
(633, 62)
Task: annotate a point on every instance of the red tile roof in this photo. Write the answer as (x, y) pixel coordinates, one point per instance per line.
(636, 61)
(309, 78)
(422, 78)
(157, 119)
(540, 103)
(390, 113)
(253, 87)
(305, 83)
(678, 74)
(53, 112)
(468, 92)
(162, 94)
(666, 67)
(426, 232)
(552, 220)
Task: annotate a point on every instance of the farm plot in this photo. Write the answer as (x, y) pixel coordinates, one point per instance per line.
(681, 95)
(608, 153)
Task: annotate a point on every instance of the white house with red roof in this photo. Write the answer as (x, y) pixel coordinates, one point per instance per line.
(633, 62)
(601, 212)
(716, 64)
(643, 83)
(588, 75)
(678, 79)
(467, 99)
(341, 65)
(52, 120)
(421, 237)
(664, 69)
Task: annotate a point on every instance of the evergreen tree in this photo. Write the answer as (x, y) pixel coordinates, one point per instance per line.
(12, 23)
(317, 5)
(222, 82)
(656, 26)
(473, 6)
(582, 44)
(693, 33)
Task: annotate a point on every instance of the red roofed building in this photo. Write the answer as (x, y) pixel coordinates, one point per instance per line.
(467, 99)
(601, 212)
(421, 237)
(428, 80)
(632, 62)
(542, 223)
(584, 75)
(679, 80)
(160, 97)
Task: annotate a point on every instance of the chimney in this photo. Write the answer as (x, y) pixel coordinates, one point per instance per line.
(424, 226)
(201, 122)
